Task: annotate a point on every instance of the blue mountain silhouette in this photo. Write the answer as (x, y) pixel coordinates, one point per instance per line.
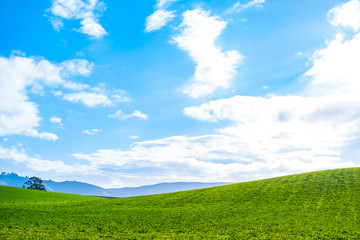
(74, 187)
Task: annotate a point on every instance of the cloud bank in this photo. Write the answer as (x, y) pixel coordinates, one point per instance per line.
(266, 136)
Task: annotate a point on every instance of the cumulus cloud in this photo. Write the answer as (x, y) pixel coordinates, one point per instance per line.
(266, 136)
(20, 75)
(309, 131)
(123, 116)
(17, 74)
(85, 10)
(346, 15)
(214, 68)
(335, 69)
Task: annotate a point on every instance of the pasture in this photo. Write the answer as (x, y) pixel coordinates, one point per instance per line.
(318, 205)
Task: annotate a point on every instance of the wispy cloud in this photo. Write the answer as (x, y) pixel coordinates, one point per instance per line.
(77, 67)
(85, 10)
(89, 99)
(91, 131)
(123, 116)
(96, 96)
(238, 7)
(160, 17)
(164, 3)
(215, 68)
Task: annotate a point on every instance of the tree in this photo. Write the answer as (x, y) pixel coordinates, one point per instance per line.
(35, 183)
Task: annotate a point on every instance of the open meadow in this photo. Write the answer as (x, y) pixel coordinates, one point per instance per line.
(318, 205)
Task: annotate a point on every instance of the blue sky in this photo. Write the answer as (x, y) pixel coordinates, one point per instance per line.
(128, 93)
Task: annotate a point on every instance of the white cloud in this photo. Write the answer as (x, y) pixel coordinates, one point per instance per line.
(267, 136)
(158, 19)
(43, 135)
(91, 27)
(238, 7)
(89, 99)
(306, 132)
(346, 15)
(286, 128)
(95, 96)
(335, 69)
(57, 23)
(120, 96)
(164, 3)
(87, 10)
(215, 68)
(20, 75)
(218, 157)
(77, 67)
(134, 137)
(122, 116)
(55, 120)
(17, 74)
(139, 114)
(40, 165)
(91, 131)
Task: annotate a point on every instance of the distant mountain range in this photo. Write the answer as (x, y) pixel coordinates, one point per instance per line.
(74, 187)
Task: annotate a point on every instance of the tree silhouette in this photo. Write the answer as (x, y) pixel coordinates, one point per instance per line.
(34, 183)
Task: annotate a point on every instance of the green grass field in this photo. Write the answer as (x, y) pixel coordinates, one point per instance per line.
(319, 205)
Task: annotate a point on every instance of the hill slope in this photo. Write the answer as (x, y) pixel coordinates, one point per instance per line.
(323, 205)
(14, 195)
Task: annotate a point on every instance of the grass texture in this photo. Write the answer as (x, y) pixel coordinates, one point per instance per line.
(318, 205)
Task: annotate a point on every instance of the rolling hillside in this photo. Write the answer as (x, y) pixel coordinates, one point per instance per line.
(322, 205)
(14, 195)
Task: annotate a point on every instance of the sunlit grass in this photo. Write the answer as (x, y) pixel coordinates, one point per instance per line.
(314, 205)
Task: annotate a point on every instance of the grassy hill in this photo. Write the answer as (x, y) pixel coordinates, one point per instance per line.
(318, 205)
(13, 195)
